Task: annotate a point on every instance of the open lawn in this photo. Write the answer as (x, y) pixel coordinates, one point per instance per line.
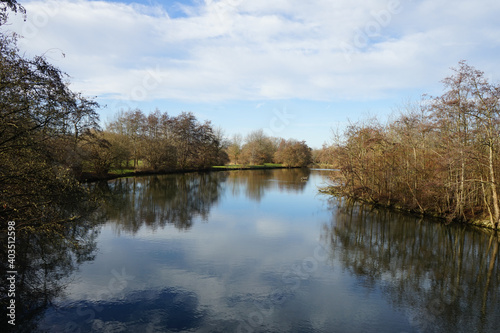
(242, 166)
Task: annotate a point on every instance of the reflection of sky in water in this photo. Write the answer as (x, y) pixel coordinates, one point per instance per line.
(253, 265)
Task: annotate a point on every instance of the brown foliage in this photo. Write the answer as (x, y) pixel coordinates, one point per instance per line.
(41, 125)
(438, 158)
(258, 149)
(292, 153)
(166, 143)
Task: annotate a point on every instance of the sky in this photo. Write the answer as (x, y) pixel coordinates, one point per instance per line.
(294, 68)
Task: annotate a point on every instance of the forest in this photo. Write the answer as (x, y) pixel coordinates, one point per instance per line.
(439, 157)
(159, 142)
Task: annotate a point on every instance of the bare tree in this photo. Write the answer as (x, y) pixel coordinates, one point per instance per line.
(234, 149)
(439, 158)
(258, 148)
(292, 153)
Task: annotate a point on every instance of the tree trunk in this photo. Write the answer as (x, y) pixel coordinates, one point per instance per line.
(493, 184)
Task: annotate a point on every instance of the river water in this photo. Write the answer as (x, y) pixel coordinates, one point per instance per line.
(264, 251)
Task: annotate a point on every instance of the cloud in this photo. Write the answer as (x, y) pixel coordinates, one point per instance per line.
(260, 50)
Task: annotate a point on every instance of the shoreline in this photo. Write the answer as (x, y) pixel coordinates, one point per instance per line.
(88, 177)
(478, 223)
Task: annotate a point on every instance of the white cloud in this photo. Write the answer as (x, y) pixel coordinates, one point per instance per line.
(257, 50)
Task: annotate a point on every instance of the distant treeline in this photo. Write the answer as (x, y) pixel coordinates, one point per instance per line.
(258, 148)
(162, 142)
(157, 142)
(439, 157)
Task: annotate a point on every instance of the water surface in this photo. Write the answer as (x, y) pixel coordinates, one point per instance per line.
(263, 251)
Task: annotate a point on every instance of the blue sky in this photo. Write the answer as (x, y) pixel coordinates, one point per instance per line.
(295, 68)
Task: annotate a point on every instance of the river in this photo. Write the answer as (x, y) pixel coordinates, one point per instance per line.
(264, 251)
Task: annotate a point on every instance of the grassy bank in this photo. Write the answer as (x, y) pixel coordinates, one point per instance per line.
(248, 167)
(118, 173)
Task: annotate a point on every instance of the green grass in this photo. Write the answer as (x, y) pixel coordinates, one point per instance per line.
(242, 166)
(227, 166)
(124, 169)
(120, 171)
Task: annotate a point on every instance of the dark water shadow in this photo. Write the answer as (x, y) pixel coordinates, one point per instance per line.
(446, 277)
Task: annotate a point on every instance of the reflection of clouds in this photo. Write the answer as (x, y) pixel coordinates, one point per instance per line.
(225, 272)
(271, 228)
(231, 275)
(160, 310)
(226, 262)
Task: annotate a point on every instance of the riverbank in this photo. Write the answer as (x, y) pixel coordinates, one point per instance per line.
(89, 177)
(482, 222)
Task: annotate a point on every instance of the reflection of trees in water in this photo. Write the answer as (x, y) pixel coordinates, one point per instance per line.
(447, 275)
(156, 201)
(257, 182)
(44, 260)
